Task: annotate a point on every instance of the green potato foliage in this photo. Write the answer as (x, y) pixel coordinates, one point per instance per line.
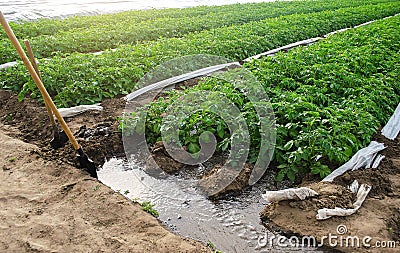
(85, 78)
(328, 99)
(96, 33)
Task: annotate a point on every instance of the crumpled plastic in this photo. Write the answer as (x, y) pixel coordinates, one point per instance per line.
(363, 158)
(362, 193)
(392, 128)
(354, 186)
(291, 193)
(377, 161)
(73, 111)
(8, 65)
(177, 79)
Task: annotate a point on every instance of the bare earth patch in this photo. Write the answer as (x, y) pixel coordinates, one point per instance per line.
(50, 206)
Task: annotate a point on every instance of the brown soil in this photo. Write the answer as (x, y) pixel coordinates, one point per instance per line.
(378, 217)
(210, 179)
(56, 210)
(216, 178)
(50, 206)
(163, 160)
(394, 223)
(47, 205)
(31, 123)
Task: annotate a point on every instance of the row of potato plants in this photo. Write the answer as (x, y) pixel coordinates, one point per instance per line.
(86, 79)
(46, 26)
(328, 99)
(106, 35)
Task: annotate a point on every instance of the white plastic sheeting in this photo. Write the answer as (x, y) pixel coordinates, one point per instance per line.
(8, 65)
(292, 193)
(24, 10)
(363, 158)
(73, 111)
(362, 193)
(354, 186)
(287, 47)
(366, 23)
(335, 32)
(177, 79)
(392, 128)
(377, 161)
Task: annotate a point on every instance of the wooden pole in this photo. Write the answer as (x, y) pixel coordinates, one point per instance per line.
(33, 62)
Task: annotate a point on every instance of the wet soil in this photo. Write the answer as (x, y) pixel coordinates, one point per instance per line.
(217, 176)
(96, 131)
(211, 177)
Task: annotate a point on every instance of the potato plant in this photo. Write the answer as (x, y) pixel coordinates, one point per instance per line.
(328, 99)
(86, 79)
(91, 34)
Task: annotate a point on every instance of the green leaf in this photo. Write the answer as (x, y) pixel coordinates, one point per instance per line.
(290, 175)
(288, 145)
(348, 152)
(220, 131)
(282, 166)
(193, 148)
(280, 176)
(225, 145)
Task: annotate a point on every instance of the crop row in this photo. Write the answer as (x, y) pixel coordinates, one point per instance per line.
(106, 35)
(328, 100)
(83, 79)
(30, 29)
(52, 26)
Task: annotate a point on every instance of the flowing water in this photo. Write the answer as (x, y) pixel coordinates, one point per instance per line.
(232, 224)
(34, 9)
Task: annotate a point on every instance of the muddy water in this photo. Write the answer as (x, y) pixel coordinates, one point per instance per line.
(232, 225)
(34, 9)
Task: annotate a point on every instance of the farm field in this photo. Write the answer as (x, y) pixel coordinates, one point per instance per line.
(329, 100)
(92, 34)
(89, 78)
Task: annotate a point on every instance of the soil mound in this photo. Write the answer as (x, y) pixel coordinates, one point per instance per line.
(378, 217)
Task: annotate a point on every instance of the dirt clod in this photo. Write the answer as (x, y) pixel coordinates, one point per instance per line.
(220, 180)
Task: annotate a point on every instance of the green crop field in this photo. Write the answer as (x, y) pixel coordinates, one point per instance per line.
(86, 78)
(328, 99)
(91, 34)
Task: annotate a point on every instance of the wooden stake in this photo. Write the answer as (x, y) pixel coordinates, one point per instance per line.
(33, 62)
